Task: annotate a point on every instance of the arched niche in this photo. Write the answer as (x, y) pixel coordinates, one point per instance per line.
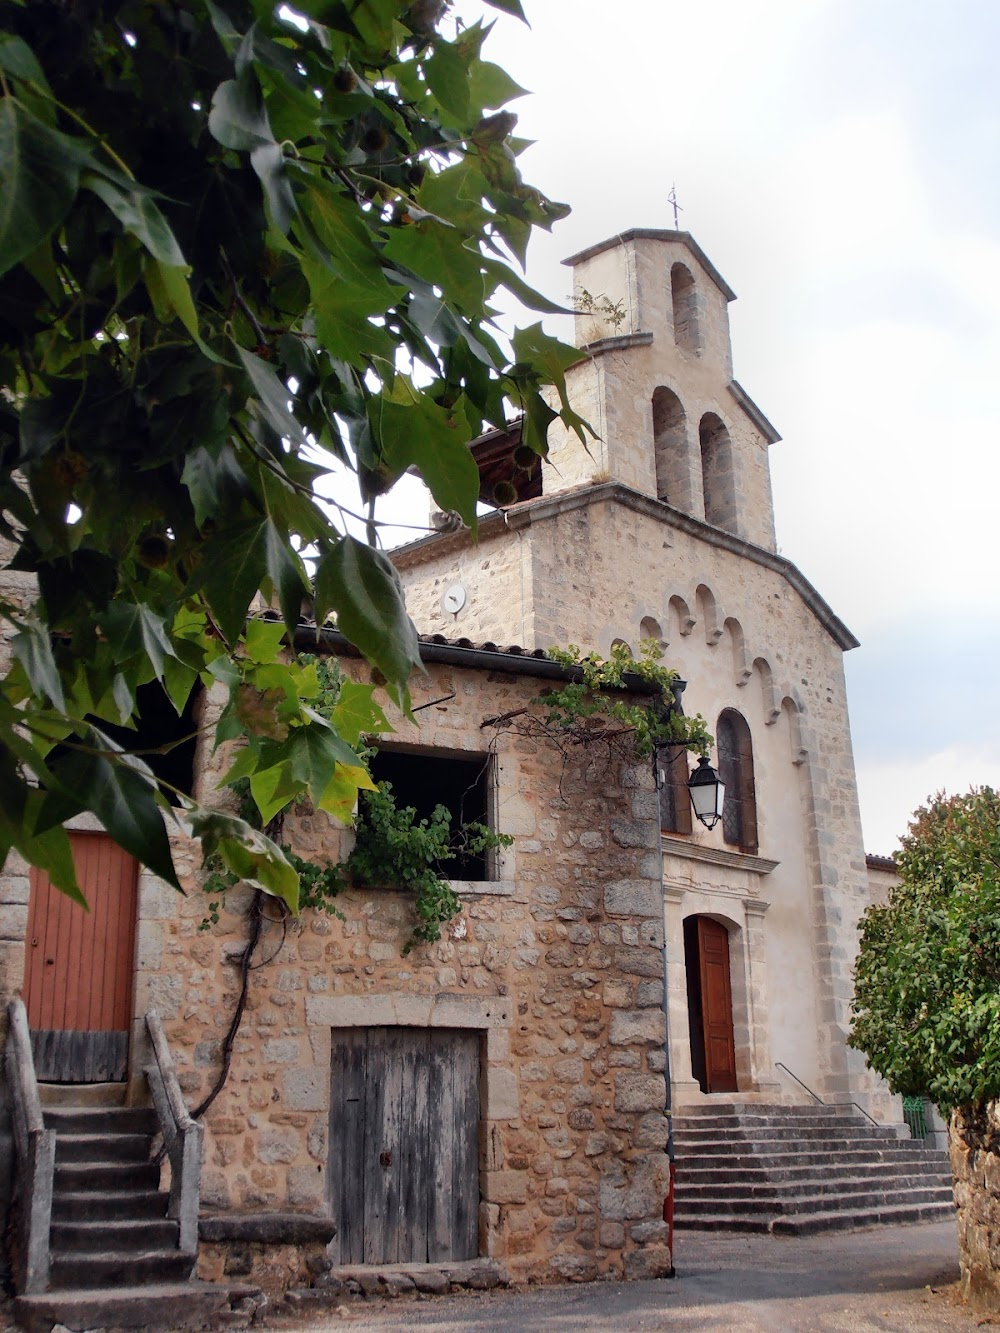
(742, 671)
(718, 480)
(684, 303)
(709, 612)
(670, 447)
(651, 629)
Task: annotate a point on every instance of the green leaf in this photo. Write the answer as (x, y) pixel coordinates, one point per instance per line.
(509, 278)
(447, 76)
(238, 118)
(362, 588)
(286, 574)
(121, 790)
(213, 480)
(491, 86)
(413, 430)
(268, 161)
(509, 7)
(247, 852)
(18, 60)
(356, 713)
(272, 395)
(233, 566)
(438, 254)
(136, 210)
(134, 630)
(40, 170)
(32, 647)
(313, 755)
(262, 640)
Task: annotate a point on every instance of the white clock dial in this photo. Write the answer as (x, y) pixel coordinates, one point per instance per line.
(454, 599)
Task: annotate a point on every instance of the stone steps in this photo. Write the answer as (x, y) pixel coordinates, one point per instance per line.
(170, 1306)
(798, 1170)
(115, 1261)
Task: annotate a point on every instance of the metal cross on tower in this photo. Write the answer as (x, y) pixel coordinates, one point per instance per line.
(672, 201)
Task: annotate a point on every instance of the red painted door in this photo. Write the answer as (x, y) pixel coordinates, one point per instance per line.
(716, 1006)
(79, 966)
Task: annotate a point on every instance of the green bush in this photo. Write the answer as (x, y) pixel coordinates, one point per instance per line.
(927, 997)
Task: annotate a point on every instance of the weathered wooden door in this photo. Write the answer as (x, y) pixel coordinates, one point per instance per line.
(79, 966)
(403, 1177)
(716, 1006)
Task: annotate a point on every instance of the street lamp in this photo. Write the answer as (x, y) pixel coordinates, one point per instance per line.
(707, 793)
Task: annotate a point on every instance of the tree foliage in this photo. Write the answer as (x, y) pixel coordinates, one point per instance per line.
(927, 999)
(233, 236)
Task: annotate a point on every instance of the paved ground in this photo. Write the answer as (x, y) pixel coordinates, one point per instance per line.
(894, 1280)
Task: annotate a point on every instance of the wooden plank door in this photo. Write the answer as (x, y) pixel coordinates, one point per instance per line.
(403, 1177)
(79, 966)
(716, 1006)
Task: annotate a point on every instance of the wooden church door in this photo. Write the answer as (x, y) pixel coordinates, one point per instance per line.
(79, 966)
(710, 1004)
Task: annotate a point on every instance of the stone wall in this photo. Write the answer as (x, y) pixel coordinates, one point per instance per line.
(975, 1164)
(558, 962)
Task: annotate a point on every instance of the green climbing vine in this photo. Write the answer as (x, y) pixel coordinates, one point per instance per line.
(597, 701)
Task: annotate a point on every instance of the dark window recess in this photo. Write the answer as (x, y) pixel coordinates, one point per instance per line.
(424, 781)
(675, 803)
(739, 810)
(158, 726)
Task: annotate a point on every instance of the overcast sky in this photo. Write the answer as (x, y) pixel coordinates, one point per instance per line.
(838, 161)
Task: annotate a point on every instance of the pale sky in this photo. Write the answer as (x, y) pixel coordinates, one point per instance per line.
(838, 161)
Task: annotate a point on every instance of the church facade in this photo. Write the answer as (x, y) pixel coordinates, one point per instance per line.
(663, 528)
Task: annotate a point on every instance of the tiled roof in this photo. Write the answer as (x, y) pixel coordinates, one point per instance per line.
(881, 862)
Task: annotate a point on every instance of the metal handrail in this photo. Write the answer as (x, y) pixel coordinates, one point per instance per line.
(815, 1097)
(35, 1154)
(182, 1137)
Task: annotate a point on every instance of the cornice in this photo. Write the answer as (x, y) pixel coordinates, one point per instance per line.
(581, 497)
(696, 851)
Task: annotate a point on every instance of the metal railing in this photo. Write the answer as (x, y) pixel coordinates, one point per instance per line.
(915, 1115)
(182, 1137)
(817, 1098)
(35, 1159)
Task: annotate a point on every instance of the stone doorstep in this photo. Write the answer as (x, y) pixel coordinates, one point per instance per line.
(392, 1280)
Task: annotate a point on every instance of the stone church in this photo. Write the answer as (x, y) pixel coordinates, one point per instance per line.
(498, 1104)
(663, 528)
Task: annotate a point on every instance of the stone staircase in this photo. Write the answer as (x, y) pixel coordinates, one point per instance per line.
(115, 1260)
(797, 1170)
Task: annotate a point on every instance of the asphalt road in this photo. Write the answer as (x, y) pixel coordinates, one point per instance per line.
(892, 1279)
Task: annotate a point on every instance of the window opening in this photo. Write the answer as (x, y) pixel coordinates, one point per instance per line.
(717, 473)
(669, 447)
(684, 299)
(459, 782)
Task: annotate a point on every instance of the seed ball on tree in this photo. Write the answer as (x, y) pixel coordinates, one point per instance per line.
(375, 139)
(345, 80)
(505, 493)
(525, 457)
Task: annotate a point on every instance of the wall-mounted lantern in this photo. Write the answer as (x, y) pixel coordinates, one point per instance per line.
(707, 793)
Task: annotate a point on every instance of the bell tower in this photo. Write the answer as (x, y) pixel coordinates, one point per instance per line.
(656, 383)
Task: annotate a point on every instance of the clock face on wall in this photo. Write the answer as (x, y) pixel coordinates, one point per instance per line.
(453, 599)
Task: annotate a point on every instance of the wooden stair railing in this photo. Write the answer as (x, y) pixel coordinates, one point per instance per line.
(182, 1137)
(35, 1157)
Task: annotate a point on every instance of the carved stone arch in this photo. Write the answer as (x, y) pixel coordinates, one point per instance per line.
(792, 713)
(650, 628)
(742, 669)
(709, 612)
(670, 448)
(622, 643)
(680, 614)
(684, 308)
(717, 471)
(769, 695)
